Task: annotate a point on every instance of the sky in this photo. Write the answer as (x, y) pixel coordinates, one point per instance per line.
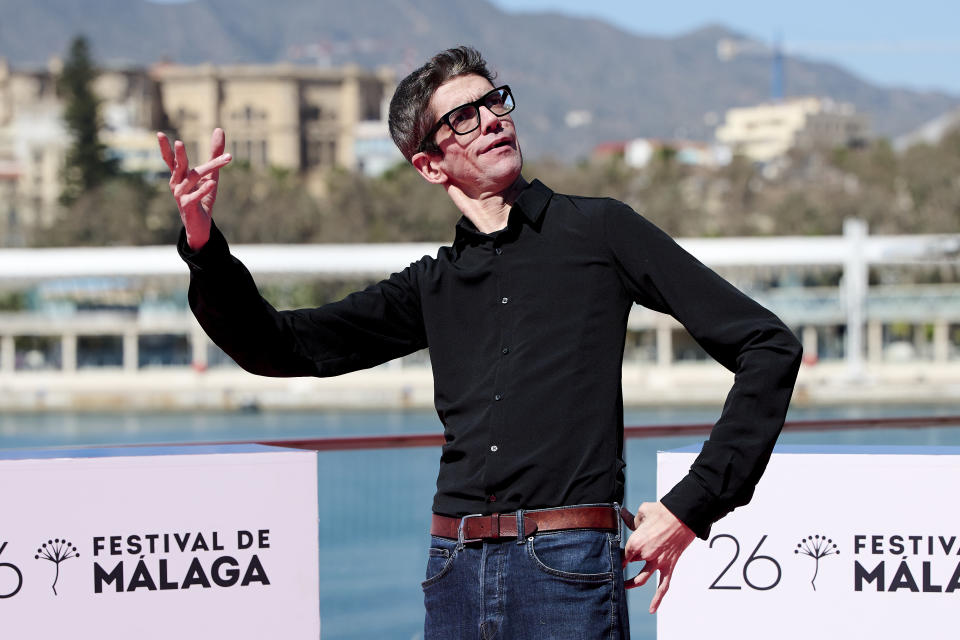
(913, 44)
(908, 43)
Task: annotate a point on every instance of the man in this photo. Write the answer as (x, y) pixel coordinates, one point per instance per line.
(525, 317)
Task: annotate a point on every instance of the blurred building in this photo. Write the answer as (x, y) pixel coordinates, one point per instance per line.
(9, 224)
(293, 117)
(131, 112)
(609, 150)
(33, 142)
(374, 149)
(281, 115)
(767, 131)
(639, 152)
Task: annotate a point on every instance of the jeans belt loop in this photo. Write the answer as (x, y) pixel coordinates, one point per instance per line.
(616, 513)
(521, 539)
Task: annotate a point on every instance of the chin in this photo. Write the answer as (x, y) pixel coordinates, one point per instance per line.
(504, 177)
(511, 167)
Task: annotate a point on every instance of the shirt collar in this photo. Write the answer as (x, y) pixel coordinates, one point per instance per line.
(533, 200)
(530, 204)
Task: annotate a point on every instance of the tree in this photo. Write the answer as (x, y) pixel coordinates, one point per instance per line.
(118, 212)
(87, 165)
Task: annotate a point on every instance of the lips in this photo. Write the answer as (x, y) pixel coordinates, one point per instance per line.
(502, 141)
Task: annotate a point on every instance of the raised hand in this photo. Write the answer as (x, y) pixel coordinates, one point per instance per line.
(195, 190)
(658, 539)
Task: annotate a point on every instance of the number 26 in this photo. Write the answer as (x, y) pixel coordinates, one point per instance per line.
(746, 565)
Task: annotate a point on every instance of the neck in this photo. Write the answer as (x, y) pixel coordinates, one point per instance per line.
(488, 212)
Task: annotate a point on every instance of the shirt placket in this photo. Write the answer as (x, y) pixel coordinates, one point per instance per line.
(501, 391)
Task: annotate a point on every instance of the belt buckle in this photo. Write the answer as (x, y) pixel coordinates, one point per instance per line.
(463, 524)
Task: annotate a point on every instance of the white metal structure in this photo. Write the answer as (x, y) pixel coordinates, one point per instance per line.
(862, 310)
(377, 260)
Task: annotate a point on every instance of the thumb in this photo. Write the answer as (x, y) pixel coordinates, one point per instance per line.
(641, 514)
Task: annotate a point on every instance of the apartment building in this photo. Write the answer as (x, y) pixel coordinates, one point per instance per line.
(33, 142)
(767, 131)
(282, 115)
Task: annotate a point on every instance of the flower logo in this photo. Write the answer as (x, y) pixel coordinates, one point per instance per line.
(56, 551)
(816, 547)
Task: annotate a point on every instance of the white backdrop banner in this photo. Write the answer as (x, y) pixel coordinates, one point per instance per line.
(838, 542)
(161, 542)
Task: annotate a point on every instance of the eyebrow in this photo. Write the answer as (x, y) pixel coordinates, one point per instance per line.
(474, 99)
(457, 106)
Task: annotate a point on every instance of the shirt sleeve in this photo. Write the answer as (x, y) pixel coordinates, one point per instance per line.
(740, 334)
(364, 329)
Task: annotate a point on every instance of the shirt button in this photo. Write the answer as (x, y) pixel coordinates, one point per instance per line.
(497, 397)
(505, 350)
(492, 498)
(504, 300)
(493, 448)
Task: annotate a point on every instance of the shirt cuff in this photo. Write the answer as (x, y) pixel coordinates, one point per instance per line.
(213, 254)
(692, 505)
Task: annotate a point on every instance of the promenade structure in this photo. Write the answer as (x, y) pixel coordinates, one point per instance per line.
(861, 338)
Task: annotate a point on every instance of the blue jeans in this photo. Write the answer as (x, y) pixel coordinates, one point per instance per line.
(552, 586)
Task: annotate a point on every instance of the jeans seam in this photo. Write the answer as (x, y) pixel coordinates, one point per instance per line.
(429, 582)
(501, 594)
(614, 543)
(481, 600)
(447, 566)
(588, 578)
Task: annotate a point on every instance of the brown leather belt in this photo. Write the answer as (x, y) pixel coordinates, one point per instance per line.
(504, 525)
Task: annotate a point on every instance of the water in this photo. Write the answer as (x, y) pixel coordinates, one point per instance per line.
(374, 504)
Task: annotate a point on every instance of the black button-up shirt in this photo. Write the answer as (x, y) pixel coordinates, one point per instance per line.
(526, 331)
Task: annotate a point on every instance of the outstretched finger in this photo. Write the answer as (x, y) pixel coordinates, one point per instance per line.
(181, 165)
(166, 150)
(205, 188)
(661, 591)
(649, 568)
(218, 143)
(213, 165)
(195, 176)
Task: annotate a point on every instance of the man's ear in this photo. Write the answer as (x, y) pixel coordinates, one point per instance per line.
(427, 164)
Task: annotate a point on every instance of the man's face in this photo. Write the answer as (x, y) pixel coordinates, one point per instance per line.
(486, 160)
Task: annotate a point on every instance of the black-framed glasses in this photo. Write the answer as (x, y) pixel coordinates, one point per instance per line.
(466, 117)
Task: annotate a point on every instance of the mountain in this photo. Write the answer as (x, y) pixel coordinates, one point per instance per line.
(621, 84)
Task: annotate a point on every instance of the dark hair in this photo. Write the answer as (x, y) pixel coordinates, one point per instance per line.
(410, 117)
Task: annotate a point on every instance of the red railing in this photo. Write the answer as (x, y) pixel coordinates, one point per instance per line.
(655, 431)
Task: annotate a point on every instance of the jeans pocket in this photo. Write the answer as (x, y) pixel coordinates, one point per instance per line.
(439, 561)
(581, 555)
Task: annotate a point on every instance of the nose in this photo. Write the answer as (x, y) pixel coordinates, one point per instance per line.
(489, 121)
